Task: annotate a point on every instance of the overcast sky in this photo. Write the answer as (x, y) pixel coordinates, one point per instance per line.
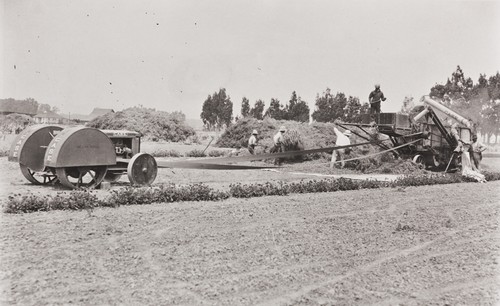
(170, 55)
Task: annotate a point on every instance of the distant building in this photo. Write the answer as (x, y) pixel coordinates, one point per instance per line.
(94, 114)
(49, 117)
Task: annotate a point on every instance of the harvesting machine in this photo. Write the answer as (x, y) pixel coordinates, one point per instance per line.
(421, 135)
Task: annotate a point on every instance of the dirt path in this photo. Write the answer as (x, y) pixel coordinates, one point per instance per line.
(432, 245)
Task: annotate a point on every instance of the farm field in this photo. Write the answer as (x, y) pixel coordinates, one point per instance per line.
(430, 245)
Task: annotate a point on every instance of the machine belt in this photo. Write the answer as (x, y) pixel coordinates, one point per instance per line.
(186, 164)
(222, 163)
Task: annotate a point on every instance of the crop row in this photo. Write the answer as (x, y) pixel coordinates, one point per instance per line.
(168, 193)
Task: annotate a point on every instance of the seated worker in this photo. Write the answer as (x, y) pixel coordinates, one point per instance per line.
(122, 150)
(252, 142)
(343, 139)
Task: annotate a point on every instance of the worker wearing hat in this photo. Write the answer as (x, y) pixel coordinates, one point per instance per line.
(252, 142)
(343, 139)
(375, 98)
(278, 144)
(477, 149)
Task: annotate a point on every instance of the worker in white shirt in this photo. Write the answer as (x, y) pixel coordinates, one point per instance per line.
(343, 139)
(252, 142)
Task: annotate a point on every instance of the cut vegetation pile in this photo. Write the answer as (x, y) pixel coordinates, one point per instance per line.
(300, 135)
(152, 124)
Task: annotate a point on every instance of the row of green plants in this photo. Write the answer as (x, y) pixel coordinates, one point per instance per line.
(168, 193)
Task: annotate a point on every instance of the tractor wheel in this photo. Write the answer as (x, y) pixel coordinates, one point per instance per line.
(112, 177)
(38, 177)
(142, 169)
(81, 177)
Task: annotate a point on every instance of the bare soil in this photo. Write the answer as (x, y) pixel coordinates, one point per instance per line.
(432, 245)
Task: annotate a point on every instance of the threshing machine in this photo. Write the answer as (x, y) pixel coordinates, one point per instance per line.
(81, 157)
(420, 135)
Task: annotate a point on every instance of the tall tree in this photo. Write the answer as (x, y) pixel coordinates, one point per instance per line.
(275, 110)
(217, 110)
(257, 111)
(323, 112)
(330, 108)
(245, 107)
(490, 112)
(296, 109)
(352, 110)
(457, 93)
(47, 108)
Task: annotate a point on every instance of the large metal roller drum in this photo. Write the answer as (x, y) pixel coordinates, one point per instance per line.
(80, 156)
(29, 150)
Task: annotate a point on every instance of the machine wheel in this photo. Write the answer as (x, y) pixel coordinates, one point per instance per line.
(142, 169)
(38, 178)
(81, 177)
(418, 159)
(112, 177)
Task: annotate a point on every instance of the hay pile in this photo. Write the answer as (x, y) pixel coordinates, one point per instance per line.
(300, 136)
(292, 141)
(399, 166)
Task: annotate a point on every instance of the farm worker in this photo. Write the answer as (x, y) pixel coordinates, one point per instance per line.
(278, 144)
(343, 139)
(252, 142)
(375, 98)
(122, 149)
(477, 149)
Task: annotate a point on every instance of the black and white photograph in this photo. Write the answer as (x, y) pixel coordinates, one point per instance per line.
(250, 152)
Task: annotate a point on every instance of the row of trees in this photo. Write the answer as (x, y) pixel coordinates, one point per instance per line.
(27, 106)
(296, 109)
(331, 107)
(217, 109)
(480, 101)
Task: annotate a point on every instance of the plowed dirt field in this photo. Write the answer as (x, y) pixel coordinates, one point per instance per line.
(431, 245)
